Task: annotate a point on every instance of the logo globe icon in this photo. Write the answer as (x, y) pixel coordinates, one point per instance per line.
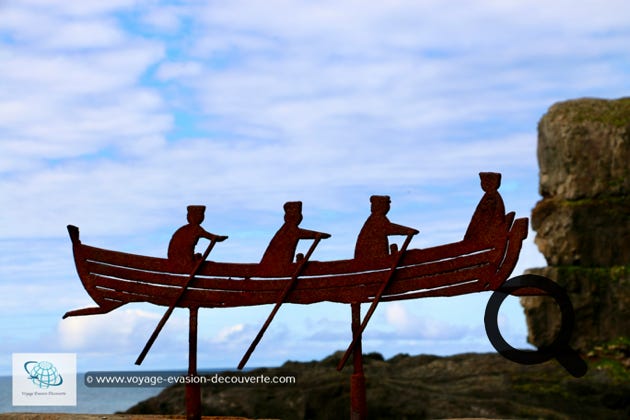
(43, 374)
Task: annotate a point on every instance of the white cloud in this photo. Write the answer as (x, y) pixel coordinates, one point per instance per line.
(409, 326)
(228, 333)
(124, 331)
(94, 34)
(179, 70)
(166, 20)
(397, 316)
(79, 9)
(72, 86)
(85, 333)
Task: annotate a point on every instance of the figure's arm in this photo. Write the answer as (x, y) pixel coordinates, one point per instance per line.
(394, 229)
(212, 236)
(312, 234)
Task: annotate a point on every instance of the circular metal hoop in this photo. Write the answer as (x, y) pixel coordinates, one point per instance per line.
(559, 349)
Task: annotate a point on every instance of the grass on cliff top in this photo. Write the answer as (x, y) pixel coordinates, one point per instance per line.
(610, 112)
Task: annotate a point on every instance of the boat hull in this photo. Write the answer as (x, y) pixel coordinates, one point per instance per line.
(113, 278)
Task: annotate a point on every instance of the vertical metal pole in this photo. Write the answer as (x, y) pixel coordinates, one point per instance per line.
(358, 402)
(193, 389)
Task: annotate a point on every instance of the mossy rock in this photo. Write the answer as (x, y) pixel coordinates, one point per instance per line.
(614, 113)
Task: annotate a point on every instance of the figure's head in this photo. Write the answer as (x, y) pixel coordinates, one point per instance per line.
(380, 204)
(490, 181)
(293, 212)
(196, 214)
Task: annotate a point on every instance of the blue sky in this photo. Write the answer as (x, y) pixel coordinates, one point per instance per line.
(114, 116)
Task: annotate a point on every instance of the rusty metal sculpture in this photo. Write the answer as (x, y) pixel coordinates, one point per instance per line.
(481, 261)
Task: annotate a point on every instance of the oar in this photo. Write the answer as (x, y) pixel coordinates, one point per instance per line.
(372, 308)
(281, 300)
(170, 309)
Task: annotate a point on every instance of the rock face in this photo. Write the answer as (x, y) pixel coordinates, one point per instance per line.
(583, 219)
(600, 299)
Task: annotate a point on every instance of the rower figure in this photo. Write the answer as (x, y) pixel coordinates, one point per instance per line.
(372, 242)
(489, 219)
(181, 249)
(281, 250)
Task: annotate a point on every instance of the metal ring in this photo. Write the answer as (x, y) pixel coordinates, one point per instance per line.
(559, 348)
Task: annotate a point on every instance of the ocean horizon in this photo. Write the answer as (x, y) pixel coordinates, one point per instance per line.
(91, 400)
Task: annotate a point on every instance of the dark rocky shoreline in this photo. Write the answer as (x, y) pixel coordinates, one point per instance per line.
(419, 387)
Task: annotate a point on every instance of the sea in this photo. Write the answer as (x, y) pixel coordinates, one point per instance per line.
(90, 400)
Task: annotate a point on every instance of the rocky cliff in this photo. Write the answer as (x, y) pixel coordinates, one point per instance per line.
(583, 220)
